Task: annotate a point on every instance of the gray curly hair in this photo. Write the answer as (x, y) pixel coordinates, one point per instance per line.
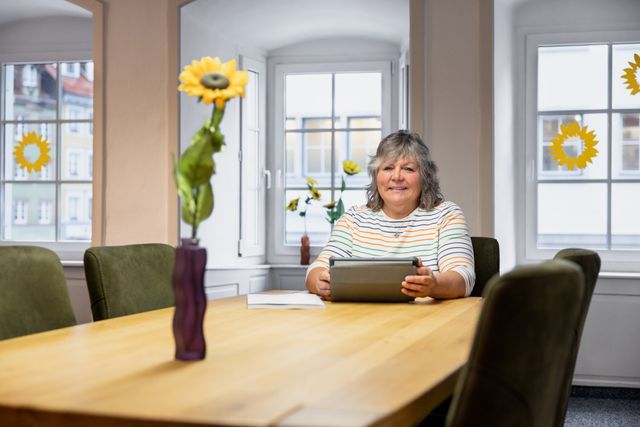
(409, 145)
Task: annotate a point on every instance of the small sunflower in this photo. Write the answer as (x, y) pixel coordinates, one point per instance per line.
(311, 181)
(212, 81)
(332, 204)
(573, 130)
(315, 194)
(31, 138)
(350, 167)
(293, 205)
(630, 75)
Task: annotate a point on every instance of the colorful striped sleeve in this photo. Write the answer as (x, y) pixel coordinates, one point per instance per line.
(455, 252)
(339, 244)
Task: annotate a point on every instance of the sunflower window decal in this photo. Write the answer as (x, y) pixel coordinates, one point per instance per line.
(630, 76)
(573, 131)
(32, 152)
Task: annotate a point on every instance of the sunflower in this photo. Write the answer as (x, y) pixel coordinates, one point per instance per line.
(211, 80)
(43, 157)
(311, 181)
(293, 205)
(315, 194)
(332, 204)
(630, 75)
(573, 130)
(350, 167)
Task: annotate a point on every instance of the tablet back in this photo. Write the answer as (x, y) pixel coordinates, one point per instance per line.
(370, 279)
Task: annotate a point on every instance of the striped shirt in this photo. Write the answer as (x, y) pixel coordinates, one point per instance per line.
(439, 237)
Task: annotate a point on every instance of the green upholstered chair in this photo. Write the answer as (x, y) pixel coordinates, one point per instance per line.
(589, 262)
(129, 279)
(486, 253)
(522, 348)
(33, 292)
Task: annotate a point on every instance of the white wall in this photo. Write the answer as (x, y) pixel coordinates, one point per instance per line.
(48, 38)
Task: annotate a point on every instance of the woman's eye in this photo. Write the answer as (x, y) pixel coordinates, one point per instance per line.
(409, 169)
(388, 168)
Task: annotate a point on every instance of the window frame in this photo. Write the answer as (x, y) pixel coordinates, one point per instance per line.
(613, 260)
(67, 250)
(279, 251)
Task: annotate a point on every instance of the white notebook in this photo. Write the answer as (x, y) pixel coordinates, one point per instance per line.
(285, 300)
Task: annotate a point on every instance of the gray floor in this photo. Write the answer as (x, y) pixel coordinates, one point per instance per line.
(590, 406)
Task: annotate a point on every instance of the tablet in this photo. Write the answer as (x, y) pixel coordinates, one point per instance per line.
(370, 279)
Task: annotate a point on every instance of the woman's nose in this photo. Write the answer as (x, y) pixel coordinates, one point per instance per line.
(397, 174)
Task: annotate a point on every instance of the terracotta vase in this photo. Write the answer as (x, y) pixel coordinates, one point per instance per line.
(305, 253)
(190, 299)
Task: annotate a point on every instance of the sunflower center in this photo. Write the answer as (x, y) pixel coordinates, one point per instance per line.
(214, 81)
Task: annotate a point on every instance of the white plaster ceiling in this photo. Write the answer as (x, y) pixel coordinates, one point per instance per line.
(14, 10)
(270, 24)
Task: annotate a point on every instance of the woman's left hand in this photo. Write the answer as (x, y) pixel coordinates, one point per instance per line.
(420, 285)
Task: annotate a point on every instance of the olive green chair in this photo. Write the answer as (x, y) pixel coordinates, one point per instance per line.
(589, 262)
(129, 279)
(522, 348)
(486, 253)
(33, 292)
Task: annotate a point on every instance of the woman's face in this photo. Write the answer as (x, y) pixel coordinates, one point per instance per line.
(398, 183)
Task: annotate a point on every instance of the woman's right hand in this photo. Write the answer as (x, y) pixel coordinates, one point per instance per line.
(320, 282)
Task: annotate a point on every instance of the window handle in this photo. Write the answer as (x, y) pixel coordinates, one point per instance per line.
(267, 175)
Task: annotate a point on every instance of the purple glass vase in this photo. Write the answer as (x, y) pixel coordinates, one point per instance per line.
(191, 300)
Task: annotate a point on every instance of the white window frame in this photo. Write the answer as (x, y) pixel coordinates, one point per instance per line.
(613, 260)
(45, 212)
(67, 250)
(21, 212)
(280, 252)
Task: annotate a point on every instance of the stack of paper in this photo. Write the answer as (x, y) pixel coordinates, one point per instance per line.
(286, 300)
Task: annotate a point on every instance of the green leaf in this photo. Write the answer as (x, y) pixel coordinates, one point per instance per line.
(339, 208)
(198, 206)
(343, 186)
(196, 163)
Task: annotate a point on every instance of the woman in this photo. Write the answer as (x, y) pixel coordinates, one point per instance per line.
(405, 216)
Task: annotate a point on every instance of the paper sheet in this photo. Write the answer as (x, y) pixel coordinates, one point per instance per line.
(285, 300)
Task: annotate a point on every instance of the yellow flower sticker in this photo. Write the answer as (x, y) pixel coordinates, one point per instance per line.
(293, 205)
(630, 75)
(212, 81)
(41, 144)
(570, 131)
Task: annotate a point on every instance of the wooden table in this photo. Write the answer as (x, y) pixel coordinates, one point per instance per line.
(347, 364)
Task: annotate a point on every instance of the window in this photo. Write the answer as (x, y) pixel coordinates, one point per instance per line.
(325, 114)
(579, 85)
(63, 101)
(29, 76)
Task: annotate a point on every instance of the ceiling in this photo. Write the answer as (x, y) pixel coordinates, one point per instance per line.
(270, 24)
(14, 10)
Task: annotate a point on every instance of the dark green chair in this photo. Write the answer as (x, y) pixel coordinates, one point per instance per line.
(486, 253)
(33, 292)
(589, 262)
(129, 279)
(522, 348)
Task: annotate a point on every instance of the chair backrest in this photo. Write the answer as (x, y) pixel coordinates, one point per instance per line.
(521, 349)
(486, 253)
(33, 292)
(129, 279)
(589, 262)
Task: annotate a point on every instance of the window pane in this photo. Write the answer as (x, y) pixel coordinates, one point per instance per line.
(352, 198)
(20, 135)
(75, 211)
(293, 158)
(626, 140)
(317, 154)
(24, 219)
(77, 91)
(365, 122)
(307, 95)
(549, 128)
(572, 214)
(357, 95)
(625, 211)
(77, 155)
(622, 97)
(572, 77)
(316, 224)
(30, 92)
(360, 146)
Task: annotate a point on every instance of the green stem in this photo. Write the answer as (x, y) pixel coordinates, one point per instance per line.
(194, 224)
